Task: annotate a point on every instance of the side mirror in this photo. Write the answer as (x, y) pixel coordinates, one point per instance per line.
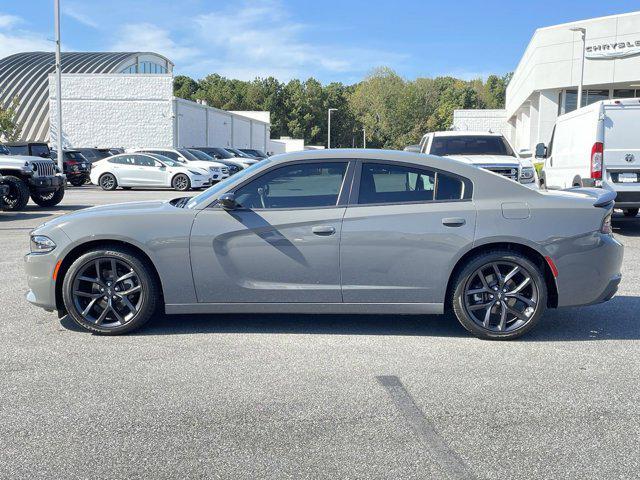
(228, 201)
(541, 150)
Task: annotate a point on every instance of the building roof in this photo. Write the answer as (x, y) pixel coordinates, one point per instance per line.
(25, 76)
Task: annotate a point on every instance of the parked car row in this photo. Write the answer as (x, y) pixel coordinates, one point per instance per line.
(178, 168)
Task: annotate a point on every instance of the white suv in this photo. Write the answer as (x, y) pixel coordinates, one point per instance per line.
(487, 150)
(184, 156)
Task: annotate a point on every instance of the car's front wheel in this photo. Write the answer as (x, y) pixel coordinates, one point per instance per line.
(110, 291)
(48, 199)
(499, 295)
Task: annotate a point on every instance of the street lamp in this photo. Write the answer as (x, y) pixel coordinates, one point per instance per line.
(58, 86)
(329, 126)
(583, 32)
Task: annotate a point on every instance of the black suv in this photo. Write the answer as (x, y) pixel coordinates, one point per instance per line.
(76, 167)
(94, 155)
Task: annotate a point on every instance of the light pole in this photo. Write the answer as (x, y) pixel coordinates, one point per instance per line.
(583, 32)
(364, 137)
(329, 126)
(58, 86)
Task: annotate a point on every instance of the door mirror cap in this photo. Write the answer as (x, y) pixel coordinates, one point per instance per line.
(228, 201)
(541, 150)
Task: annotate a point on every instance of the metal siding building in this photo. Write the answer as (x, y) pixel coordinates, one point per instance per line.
(26, 76)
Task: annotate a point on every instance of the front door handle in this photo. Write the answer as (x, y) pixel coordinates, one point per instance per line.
(323, 230)
(453, 222)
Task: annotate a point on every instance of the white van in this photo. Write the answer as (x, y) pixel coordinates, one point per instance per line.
(597, 146)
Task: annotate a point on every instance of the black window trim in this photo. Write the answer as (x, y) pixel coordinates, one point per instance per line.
(467, 193)
(343, 194)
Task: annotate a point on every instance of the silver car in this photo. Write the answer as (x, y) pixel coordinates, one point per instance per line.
(336, 231)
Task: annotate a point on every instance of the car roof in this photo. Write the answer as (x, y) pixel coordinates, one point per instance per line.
(461, 133)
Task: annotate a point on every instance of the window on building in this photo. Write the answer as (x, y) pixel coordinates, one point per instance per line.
(588, 97)
(626, 93)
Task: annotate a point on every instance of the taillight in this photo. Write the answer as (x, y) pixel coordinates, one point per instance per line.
(606, 225)
(596, 160)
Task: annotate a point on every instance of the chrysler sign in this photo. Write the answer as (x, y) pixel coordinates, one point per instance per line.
(613, 50)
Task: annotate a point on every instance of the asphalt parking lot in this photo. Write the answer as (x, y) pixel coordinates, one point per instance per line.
(284, 396)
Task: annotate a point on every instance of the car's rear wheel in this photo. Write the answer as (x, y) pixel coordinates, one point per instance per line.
(110, 291)
(181, 182)
(499, 295)
(630, 212)
(107, 181)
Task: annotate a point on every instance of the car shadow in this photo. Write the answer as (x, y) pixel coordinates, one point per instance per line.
(614, 320)
(628, 227)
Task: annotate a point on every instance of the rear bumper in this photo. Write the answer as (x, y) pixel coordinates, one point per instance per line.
(589, 269)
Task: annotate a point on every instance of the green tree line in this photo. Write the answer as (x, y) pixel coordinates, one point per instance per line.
(393, 111)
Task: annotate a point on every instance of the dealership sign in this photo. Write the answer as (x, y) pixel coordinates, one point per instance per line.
(613, 50)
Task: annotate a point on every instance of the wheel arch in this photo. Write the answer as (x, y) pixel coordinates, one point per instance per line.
(85, 247)
(531, 253)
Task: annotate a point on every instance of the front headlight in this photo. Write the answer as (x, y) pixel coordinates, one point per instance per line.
(41, 244)
(527, 175)
(194, 172)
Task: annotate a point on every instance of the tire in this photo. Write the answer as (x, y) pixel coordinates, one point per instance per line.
(181, 182)
(119, 317)
(49, 199)
(108, 182)
(77, 181)
(519, 317)
(630, 212)
(18, 195)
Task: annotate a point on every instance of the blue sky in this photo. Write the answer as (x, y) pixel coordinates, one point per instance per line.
(330, 40)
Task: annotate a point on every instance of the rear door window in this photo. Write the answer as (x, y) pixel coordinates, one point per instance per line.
(383, 183)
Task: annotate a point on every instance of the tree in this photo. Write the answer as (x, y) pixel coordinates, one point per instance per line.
(10, 129)
(184, 87)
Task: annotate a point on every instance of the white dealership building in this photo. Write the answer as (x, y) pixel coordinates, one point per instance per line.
(545, 81)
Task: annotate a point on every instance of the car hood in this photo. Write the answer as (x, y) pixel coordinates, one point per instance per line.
(19, 160)
(487, 159)
(115, 209)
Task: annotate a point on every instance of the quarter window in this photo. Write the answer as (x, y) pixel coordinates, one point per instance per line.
(386, 183)
(308, 184)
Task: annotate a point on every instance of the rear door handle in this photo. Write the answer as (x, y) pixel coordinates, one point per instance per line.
(323, 230)
(453, 222)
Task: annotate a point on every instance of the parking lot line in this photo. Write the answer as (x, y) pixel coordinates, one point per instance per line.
(449, 460)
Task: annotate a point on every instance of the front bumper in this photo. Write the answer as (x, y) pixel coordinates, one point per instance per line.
(39, 269)
(47, 183)
(201, 182)
(589, 269)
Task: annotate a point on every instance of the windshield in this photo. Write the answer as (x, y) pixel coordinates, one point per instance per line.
(471, 145)
(165, 160)
(238, 153)
(187, 154)
(209, 193)
(74, 156)
(200, 155)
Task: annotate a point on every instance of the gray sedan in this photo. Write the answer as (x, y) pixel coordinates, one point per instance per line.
(337, 231)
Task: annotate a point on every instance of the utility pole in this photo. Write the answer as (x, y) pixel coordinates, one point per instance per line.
(583, 32)
(329, 126)
(58, 86)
